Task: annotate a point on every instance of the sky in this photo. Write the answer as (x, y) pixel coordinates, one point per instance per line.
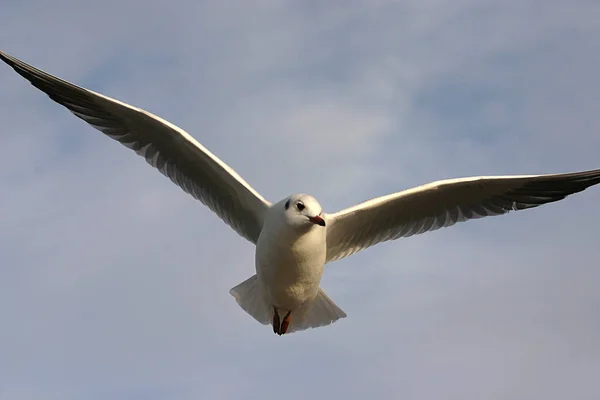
(114, 283)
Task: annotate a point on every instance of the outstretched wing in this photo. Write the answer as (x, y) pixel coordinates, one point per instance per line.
(165, 146)
(444, 203)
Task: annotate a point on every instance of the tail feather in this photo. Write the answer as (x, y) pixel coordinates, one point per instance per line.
(319, 312)
(249, 296)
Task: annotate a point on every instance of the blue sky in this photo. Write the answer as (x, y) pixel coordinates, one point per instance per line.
(114, 283)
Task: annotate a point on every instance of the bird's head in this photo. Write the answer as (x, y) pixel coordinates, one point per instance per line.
(303, 210)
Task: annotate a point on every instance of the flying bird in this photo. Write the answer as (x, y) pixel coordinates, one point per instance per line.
(294, 238)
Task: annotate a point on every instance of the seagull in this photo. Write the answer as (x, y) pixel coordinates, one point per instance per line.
(294, 238)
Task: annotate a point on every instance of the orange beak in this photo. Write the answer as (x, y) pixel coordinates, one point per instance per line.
(317, 220)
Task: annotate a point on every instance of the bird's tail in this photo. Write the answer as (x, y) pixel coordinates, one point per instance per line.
(320, 311)
(249, 296)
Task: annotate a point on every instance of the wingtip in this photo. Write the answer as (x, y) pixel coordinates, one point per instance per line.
(5, 57)
(11, 61)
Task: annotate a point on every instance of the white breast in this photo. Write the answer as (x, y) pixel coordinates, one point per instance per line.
(289, 263)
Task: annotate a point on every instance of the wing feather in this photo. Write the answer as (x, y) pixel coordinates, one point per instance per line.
(165, 146)
(443, 204)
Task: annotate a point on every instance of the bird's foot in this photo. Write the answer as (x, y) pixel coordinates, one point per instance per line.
(276, 323)
(280, 327)
(285, 323)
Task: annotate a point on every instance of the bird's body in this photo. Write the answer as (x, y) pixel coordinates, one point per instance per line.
(290, 259)
(294, 238)
(289, 262)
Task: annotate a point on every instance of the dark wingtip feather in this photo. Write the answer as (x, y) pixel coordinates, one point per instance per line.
(548, 189)
(6, 58)
(19, 66)
(42, 80)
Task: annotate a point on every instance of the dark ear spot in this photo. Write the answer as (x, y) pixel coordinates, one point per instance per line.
(287, 204)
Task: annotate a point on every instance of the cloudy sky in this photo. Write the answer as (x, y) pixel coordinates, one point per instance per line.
(114, 283)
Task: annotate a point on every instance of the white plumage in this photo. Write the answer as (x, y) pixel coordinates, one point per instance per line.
(294, 239)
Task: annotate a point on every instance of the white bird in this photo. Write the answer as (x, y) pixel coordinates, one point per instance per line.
(294, 239)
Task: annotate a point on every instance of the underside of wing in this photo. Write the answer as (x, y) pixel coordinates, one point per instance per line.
(164, 146)
(442, 204)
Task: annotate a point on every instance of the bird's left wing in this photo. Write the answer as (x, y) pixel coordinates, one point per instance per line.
(444, 203)
(165, 146)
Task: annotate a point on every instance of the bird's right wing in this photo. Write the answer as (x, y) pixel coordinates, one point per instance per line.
(165, 146)
(444, 203)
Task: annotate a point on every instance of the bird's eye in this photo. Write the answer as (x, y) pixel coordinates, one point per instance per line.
(300, 206)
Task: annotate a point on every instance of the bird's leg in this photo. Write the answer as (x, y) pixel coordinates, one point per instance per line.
(285, 323)
(276, 323)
